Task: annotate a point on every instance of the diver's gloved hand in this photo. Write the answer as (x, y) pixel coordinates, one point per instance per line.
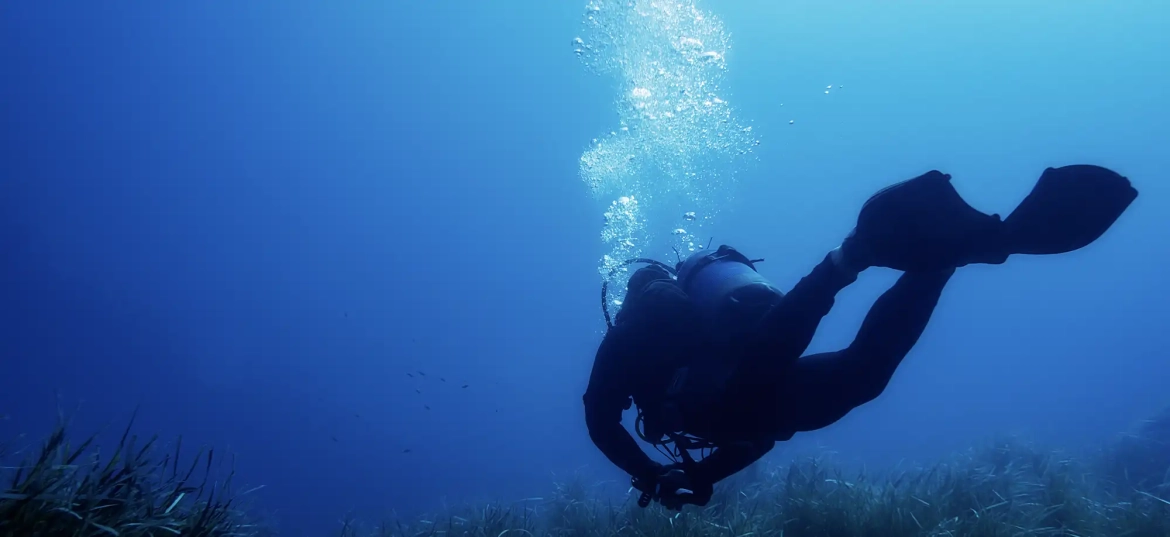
(647, 483)
(677, 488)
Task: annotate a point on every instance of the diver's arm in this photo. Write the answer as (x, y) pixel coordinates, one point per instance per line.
(605, 399)
(728, 459)
(608, 434)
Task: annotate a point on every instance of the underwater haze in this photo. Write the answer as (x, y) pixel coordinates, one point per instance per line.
(359, 246)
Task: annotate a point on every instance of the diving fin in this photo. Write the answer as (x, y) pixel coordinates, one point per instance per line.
(923, 224)
(1068, 209)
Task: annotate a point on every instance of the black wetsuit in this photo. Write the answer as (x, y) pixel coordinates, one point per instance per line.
(777, 391)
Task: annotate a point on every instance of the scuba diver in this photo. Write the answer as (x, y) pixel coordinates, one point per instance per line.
(712, 353)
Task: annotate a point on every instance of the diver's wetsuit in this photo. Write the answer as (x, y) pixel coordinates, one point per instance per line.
(777, 392)
(917, 226)
(780, 392)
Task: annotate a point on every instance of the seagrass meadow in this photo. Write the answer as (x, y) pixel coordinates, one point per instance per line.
(1006, 487)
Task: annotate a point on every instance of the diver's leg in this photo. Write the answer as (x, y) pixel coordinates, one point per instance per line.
(820, 389)
(787, 328)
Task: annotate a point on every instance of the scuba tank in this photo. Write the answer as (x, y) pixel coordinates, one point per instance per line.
(724, 284)
(727, 288)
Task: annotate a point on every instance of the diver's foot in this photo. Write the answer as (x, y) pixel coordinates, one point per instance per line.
(852, 256)
(923, 225)
(984, 245)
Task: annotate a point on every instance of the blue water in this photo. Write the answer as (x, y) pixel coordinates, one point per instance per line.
(253, 221)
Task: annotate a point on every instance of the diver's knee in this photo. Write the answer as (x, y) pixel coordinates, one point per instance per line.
(871, 389)
(848, 399)
(871, 383)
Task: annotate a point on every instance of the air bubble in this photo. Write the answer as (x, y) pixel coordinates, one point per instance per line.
(677, 137)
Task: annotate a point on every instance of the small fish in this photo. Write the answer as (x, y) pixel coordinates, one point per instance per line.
(464, 385)
(421, 374)
(409, 375)
(407, 450)
(356, 415)
(441, 379)
(416, 390)
(334, 438)
(427, 407)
